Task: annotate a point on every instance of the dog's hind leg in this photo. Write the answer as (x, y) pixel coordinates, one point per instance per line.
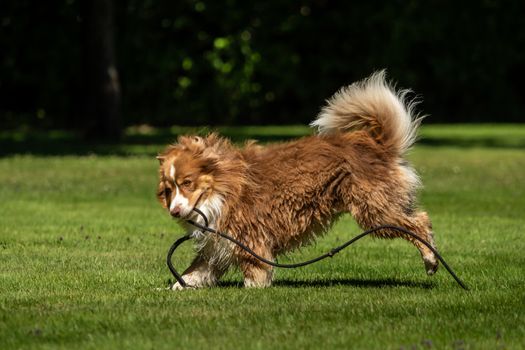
(387, 208)
(420, 224)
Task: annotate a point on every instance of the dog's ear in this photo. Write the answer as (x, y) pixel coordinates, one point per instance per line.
(212, 139)
(161, 194)
(209, 165)
(197, 139)
(161, 159)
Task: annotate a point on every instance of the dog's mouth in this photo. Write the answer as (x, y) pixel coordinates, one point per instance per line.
(180, 213)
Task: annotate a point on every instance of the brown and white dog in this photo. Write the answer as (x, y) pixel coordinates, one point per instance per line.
(278, 197)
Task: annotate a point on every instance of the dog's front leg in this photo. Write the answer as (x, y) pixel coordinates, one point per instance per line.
(200, 274)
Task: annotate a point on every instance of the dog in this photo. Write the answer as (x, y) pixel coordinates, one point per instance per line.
(278, 197)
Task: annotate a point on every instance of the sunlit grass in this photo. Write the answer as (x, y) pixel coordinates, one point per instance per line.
(83, 244)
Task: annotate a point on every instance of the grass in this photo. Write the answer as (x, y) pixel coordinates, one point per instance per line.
(83, 243)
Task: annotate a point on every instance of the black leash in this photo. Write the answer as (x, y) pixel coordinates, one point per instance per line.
(330, 254)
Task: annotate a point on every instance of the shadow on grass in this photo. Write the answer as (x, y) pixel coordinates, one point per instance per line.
(150, 143)
(349, 282)
(64, 143)
(482, 142)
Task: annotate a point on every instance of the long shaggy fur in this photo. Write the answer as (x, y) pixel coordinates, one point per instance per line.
(375, 106)
(278, 197)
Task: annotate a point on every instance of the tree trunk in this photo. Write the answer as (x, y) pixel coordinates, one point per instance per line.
(101, 110)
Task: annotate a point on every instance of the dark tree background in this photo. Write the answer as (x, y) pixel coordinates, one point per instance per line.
(246, 62)
(101, 93)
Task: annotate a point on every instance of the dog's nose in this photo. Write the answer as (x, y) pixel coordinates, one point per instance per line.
(175, 212)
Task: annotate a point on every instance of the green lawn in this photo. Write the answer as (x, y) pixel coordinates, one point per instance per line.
(83, 244)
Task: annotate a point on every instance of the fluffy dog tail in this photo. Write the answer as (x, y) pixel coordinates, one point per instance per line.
(375, 106)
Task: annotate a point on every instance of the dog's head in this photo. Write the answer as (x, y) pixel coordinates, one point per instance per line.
(199, 172)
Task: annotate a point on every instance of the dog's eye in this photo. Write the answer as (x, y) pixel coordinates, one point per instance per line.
(186, 183)
(167, 193)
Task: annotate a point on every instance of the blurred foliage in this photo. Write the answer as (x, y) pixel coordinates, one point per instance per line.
(267, 62)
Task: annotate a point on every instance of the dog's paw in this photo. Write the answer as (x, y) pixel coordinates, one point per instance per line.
(431, 264)
(177, 286)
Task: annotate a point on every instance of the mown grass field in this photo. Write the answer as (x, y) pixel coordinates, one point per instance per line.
(83, 244)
